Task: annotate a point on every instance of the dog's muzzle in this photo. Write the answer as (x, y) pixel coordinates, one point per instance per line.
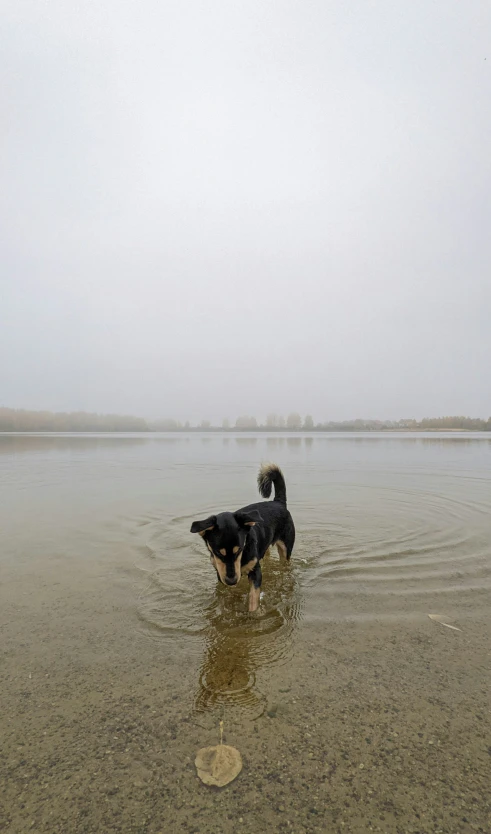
(231, 580)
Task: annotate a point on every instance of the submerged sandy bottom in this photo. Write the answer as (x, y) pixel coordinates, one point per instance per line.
(369, 725)
(353, 710)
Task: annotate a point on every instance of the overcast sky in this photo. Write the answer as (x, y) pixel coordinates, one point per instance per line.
(220, 208)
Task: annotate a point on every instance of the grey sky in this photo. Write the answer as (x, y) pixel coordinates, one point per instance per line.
(215, 208)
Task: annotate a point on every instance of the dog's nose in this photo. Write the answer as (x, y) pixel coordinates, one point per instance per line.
(231, 580)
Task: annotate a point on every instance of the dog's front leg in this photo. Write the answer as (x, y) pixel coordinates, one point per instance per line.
(255, 578)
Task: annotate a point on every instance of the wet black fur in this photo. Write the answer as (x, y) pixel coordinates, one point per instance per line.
(253, 528)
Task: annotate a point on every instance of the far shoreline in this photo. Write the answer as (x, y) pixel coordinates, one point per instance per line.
(259, 431)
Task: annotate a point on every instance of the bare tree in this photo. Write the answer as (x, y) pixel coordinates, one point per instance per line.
(294, 421)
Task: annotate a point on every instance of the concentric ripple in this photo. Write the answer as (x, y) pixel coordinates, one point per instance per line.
(371, 543)
(236, 646)
(389, 544)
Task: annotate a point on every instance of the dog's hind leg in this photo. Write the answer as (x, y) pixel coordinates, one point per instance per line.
(288, 539)
(255, 579)
(281, 548)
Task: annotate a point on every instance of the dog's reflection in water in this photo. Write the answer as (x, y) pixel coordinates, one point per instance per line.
(239, 644)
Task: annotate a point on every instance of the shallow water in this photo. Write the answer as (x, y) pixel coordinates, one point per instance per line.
(390, 527)
(378, 518)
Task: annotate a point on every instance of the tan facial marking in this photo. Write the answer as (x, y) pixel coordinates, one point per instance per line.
(223, 551)
(235, 550)
(221, 569)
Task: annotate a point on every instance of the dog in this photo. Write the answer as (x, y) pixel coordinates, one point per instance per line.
(238, 541)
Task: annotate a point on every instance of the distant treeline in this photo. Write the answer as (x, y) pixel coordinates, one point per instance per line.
(12, 419)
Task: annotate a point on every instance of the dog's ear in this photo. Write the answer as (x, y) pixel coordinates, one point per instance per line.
(202, 526)
(248, 519)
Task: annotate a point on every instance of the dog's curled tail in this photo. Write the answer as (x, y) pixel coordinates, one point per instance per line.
(270, 474)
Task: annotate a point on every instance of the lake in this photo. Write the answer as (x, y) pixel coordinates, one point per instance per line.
(353, 709)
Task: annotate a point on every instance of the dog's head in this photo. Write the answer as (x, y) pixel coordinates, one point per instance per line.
(225, 536)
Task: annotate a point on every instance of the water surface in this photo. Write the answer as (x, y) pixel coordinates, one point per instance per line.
(97, 559)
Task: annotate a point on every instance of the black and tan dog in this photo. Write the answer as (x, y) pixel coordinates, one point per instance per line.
(238, 541)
